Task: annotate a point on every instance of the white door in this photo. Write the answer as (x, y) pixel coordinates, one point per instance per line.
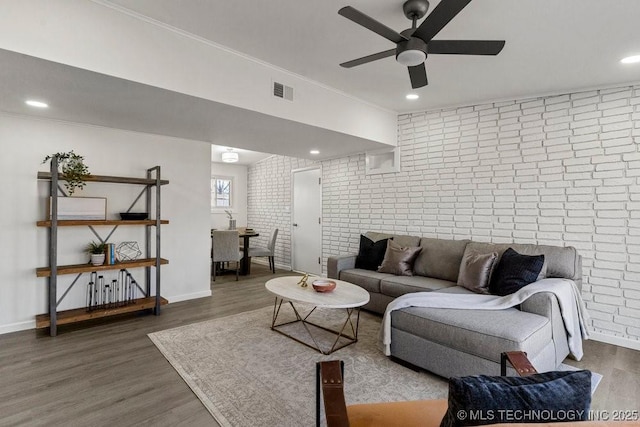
(306, 230)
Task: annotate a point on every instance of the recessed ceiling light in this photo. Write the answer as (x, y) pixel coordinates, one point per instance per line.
(37, 104)
(630, 59)
(412, 96)
(314, 152)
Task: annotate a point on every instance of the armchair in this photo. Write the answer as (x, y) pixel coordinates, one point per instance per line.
(467, 394)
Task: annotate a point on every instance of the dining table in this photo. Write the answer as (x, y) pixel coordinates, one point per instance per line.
(246, 234)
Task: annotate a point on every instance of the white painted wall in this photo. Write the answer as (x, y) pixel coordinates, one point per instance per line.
(125, 46)
(185, 203)
(561, 170)
(219, 218)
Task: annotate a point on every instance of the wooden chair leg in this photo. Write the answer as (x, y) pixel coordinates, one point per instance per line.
(272, 262)
(237, 270)
(214, 271)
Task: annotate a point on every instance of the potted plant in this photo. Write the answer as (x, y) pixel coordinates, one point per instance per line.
(96, 250)
(72, 166)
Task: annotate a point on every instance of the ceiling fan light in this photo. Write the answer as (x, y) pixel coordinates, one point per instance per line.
(411, 57)
(229, 157)
(37, 104)
(631, 59)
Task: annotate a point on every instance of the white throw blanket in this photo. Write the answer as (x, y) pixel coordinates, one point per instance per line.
(574, 313)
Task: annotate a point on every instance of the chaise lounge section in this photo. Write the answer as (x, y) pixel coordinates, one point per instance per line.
(453, 342)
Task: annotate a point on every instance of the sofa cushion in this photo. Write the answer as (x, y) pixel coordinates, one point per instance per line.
(366, 279)
(395, 286)
(559, 261)
(515, 271)
(399, 260)
(371, 253)
(482, 333)
(475, 271)
(440, 258)
(553, 396)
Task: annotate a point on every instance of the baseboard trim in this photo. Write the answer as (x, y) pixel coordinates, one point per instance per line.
(185, 297)
(16, 327)
(31, 324)
(612, 339)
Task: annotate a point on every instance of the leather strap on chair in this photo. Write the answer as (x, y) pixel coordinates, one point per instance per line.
(333, 393)
(519, 361)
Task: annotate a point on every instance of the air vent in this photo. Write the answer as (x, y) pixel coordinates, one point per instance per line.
(282, 91)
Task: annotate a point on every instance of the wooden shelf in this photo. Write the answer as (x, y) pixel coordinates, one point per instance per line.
(85, 222)
(151, 187)
(87, 268)
(81, 314)
(104, 178)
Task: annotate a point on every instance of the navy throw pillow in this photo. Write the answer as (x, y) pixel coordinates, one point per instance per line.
(515, 271)
(540, 398)
(371, 253)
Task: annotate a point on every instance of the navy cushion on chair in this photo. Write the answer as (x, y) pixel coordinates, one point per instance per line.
(515, 271)
(371, 253)
(547, 397)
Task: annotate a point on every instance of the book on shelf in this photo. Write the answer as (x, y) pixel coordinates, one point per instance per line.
(110, 254)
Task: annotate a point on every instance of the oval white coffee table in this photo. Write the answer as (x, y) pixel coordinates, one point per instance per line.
(345, 296)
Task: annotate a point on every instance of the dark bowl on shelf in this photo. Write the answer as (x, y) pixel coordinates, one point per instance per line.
(133, 216)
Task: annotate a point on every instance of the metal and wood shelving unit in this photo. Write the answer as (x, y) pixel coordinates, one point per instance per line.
(151, 300)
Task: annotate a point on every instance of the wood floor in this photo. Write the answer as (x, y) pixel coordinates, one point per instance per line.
(108, 373)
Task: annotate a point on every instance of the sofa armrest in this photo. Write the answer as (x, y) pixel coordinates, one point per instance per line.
(540, 304)
(546, 304)
(339, 263)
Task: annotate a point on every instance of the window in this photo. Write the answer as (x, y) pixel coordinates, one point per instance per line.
(221, 191)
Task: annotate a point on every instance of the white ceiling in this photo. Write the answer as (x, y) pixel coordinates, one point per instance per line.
(84, 96)
(551, 46)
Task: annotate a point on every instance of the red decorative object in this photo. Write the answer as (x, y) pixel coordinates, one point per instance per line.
(323, 285)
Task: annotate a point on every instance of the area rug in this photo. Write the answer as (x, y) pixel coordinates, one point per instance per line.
(245, 374)
(248, 375)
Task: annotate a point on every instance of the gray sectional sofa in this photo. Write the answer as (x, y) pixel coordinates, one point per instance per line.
(452, 342)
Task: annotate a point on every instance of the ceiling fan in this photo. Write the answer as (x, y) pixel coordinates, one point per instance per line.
(414, 44)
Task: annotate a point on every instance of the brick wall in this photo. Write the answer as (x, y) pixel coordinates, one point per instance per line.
(269, 202)
(561, 170)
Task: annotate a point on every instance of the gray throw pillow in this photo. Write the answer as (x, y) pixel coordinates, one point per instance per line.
(398, 260)
(475, 271)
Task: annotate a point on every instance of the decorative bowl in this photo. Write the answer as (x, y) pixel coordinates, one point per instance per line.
(133, 216)
(323, 285)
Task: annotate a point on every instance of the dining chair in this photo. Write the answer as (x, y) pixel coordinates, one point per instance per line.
(269, 251)
(224, 248)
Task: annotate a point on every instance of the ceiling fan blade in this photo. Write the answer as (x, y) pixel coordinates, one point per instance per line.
(444, 12)
(465, 47)
(371, 24)
(418, 76)
(369, 58)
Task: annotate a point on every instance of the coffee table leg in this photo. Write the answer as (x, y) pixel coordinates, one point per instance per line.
(354, 332)
(339, 334)
(299, 319)
(276, 311)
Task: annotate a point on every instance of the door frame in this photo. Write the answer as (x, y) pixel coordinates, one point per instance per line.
(293, 172)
